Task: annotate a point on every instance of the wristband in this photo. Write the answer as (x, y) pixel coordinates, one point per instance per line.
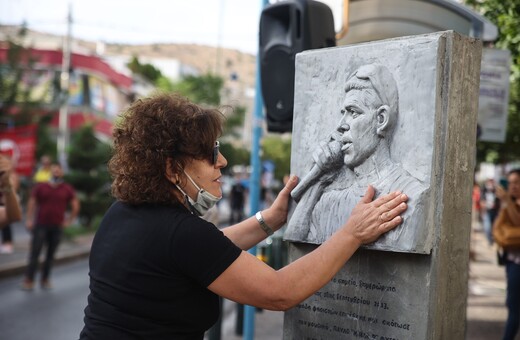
(268, 230)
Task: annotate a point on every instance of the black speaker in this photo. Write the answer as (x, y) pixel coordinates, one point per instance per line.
(286, 28)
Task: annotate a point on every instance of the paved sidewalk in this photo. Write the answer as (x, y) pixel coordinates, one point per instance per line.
(486, 312)
(14, 264)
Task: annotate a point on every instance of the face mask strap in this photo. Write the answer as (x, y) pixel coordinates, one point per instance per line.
(192, 181)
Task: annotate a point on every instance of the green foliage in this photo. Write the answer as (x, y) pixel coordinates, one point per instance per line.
(148, 71)
(164, 84)
(234, 156)
(234, 121)
(16, 104)
(203, 89)
(505, 14)
(278, 150)
(88, 174)
(46, 144)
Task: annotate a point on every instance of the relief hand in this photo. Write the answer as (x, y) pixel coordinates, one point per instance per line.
(326, 157)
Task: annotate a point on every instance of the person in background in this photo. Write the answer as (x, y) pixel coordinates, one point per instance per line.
(46, 218)
(10, 210)
(237, 199)
(490, 206)
(510, 207)
(43, 174)
(157, 269)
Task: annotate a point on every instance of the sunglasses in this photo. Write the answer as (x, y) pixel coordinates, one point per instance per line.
(216, 150)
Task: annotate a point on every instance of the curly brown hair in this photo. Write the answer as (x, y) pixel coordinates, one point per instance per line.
(153, 131)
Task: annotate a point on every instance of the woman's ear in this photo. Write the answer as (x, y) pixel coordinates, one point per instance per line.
(171, 175)
(383, 118)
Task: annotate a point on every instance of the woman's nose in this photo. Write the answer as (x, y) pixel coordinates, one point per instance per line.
(221, 161)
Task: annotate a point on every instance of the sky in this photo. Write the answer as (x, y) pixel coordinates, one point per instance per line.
(225, 23)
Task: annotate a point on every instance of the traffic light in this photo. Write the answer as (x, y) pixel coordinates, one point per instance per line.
(286, 28)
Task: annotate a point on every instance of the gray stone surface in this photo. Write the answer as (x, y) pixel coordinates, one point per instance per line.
(416, 288)
(377, 294)
(403, 154)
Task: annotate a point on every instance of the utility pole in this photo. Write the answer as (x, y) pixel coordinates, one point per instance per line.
(63, 134)
(221, 10)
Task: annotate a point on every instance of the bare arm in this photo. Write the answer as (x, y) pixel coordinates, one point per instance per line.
(74, 211)
(248, 233)
(29, 214)
(250, 281)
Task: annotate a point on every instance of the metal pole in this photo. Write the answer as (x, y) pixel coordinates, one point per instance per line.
(63, 134)
(254, 194)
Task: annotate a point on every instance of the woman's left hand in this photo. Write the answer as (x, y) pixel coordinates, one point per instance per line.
(276, 215)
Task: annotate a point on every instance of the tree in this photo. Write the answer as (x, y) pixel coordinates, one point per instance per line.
(17, 105)
(203, 89)
(148, 71)
(234, 155)
(234, 121)
(88, 173)
(278, 150)
(505, 14)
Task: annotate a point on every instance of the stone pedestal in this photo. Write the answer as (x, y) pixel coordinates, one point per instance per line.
(412, 284)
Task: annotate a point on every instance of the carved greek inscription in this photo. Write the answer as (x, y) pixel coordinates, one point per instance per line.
(359, 309)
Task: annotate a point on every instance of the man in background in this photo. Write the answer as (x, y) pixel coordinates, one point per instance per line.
(46, 219)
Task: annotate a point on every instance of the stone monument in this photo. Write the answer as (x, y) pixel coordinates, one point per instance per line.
(399, 114)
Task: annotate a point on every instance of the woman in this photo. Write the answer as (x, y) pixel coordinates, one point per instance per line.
(510, 208)
(10, 210)
(157, 269)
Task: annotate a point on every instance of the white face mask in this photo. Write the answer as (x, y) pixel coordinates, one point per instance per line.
(204, 201)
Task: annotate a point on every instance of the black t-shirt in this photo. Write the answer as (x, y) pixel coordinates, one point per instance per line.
(149, 269)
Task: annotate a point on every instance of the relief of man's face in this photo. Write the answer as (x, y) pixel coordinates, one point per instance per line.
(358, 127)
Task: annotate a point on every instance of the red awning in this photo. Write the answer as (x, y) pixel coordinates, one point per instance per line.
(88, 62)
(78, 119)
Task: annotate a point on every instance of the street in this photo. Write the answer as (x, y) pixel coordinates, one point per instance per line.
(55, 314)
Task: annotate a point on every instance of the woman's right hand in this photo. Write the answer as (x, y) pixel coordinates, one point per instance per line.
(370, 219)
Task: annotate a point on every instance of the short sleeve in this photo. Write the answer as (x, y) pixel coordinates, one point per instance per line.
(72, 193)
(201, 251)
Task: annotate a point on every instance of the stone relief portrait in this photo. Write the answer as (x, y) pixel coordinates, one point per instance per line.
(355, 153)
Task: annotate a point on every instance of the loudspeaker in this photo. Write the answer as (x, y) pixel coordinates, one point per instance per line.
(286, 28)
